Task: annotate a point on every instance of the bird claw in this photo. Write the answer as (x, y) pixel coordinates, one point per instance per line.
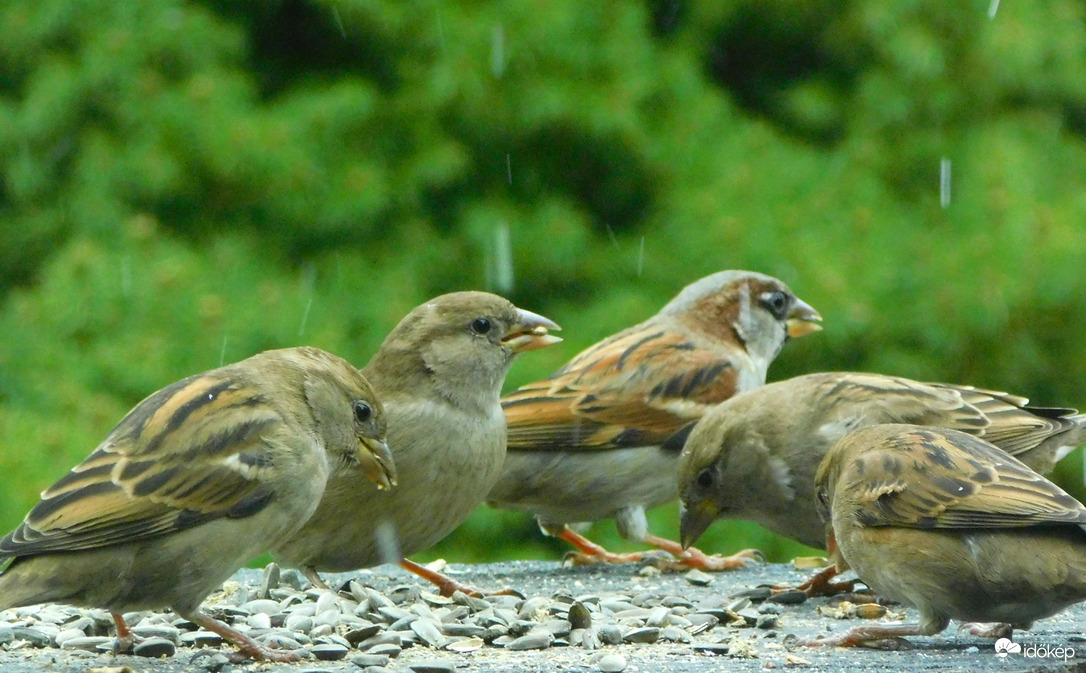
(997, 630)
(696, 559)
(580, 558)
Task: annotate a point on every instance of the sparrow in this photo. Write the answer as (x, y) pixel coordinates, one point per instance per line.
(754, 456)
(947, 522)
(439, 374)
(195, 481)
(600, 438)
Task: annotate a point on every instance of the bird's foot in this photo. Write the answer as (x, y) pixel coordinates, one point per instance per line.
(887, 637)
(687, 559)
(315, 579)
(996, 630)
(447, 586)
(819, 584)
(590, 553)
(247, 647)
(125, 641)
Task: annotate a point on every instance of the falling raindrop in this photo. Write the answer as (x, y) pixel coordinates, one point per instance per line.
(387, 542)
(503, 259)
(222, 351)
(497, 51)
(509, 168)
(305, 316)
(944, 182)
(339, 21)
(611, 235)
(641, 257)
(993, 7)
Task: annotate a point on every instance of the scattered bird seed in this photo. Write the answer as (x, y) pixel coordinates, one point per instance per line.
(537, 640)
(793, 597)
(433, 666)
(155, 648)
(329, 652)
(369, 660)
(699, 578)
(611, 663)
(87, 643)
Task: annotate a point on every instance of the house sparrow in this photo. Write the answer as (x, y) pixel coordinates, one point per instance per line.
(601, 437)
(196, 480)
(949, 523)
(754, 456)
(439, 374)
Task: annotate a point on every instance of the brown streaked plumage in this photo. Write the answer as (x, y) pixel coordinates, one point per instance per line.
(754, 457)
(195, 481)
(949, 523)
(439, 374)
(600, 437)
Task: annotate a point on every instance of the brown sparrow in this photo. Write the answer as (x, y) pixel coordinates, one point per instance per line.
(198, 479)
(754, 456)
(948, 523)
(601, 437)
(439, 375)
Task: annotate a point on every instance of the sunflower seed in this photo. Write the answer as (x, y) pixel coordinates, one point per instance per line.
(537, 640)
(646, 635)
(155, 648)
(611, 663)
(329, 652)
(369, 660)
(433, 666)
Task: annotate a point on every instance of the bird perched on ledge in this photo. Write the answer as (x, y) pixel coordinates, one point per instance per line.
(600, 438)
(952, 525)
(439, 374)
(198, 479)
(754, 456)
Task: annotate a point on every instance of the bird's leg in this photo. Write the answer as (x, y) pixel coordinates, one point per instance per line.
(695, 558)
(447, 585)
(997, 630)
(314, 578)
(590, 552)
(865, 635)
(248, 647)
(819, 584)
(126, 640)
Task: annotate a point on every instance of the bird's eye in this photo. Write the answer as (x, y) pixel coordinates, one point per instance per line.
(823, 498)
(480, 326)
(775, 302)
(705, 478)
(362, 412)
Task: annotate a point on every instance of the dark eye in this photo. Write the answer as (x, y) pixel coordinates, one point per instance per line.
(480, 326)
(776, 303)
(705, 478)
(362, 412)
(823, 498)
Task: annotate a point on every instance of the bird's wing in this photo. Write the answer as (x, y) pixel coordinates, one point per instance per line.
(194, 451)
(967, 483)
(641, 387)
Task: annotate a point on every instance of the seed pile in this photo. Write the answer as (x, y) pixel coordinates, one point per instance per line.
(370, 627)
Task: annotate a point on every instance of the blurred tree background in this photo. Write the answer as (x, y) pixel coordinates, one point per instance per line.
(188, 183)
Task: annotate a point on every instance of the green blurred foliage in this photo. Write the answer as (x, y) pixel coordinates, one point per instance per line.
(183, 184)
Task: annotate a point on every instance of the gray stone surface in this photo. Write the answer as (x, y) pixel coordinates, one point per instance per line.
(729, 644)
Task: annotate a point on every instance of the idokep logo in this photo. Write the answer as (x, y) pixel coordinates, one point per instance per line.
(1006, 646)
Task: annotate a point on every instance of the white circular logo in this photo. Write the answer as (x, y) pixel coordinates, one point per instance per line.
(1005, 646)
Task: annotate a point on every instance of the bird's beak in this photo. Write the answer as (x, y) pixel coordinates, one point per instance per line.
(376, 462)
(530, 332)
(693, 521)
(802, 320)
